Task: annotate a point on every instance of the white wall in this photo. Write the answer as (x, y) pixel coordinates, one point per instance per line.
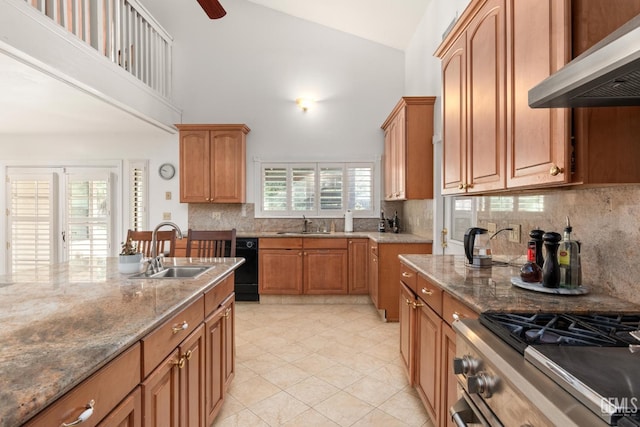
(250, 66)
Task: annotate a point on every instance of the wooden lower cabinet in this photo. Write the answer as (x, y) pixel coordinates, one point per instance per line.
(161, 394)
(325, 271)
(127, 414)
(358, 266)
(374, 269)
(428, 342)
(385, 290)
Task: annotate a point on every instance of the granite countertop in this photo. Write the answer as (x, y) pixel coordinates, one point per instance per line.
(373, 235)
(61, 324)
(490, 289)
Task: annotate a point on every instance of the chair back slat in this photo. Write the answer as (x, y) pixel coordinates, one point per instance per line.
(165, 242)
(211, 244)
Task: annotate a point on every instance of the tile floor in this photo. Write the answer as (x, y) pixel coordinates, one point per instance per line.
(318, 365)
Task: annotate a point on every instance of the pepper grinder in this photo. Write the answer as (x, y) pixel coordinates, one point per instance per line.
(551, 267)
(536, 236)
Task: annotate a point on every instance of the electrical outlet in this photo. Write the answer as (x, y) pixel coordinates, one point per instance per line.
(514, 235)
(491, 228)
(216, 215)
(167, 195)
(166, 216)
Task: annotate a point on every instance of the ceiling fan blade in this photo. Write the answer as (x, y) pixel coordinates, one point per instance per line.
(212, 8)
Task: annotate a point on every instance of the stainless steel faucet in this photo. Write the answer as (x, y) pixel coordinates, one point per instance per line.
(305, 228)
(156, 263)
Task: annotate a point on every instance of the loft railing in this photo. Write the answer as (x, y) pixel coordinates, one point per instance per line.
(121, 30)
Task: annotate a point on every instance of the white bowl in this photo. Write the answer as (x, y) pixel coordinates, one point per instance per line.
(130, 268)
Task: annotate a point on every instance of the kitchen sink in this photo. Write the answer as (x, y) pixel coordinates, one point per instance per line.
(296, 233)
(179, 272)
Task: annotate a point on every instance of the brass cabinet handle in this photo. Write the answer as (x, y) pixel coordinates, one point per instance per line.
(227, 312)
(418, 304)
(427, 291)
(84, 416)
(188, 354)
(409, 302)
(555, 170)
(180, 363)
(456, 316)
(178, 328)
(405, 274)
(460, 186)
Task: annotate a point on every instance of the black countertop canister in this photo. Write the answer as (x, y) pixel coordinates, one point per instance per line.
(551, 267)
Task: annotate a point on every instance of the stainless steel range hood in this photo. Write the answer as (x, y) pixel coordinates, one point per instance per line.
(608, 74)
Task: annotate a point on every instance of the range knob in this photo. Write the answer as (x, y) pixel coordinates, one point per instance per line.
(465, 365)
(482, 384)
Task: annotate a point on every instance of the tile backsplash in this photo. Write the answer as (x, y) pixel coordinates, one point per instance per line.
(605, 220)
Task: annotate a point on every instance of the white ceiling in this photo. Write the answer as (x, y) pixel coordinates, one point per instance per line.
(35, 102)
(388, 22)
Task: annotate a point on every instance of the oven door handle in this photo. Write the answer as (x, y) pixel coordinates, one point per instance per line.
(461, 413)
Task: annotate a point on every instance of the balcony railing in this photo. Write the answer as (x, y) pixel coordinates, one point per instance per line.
(121, 30)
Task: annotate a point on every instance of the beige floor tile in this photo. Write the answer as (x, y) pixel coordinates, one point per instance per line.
(278, 409)
(264, 363)
(244, 418)
(405, 406)
(314, 363)
(378, 418)
(364, 362)
(293, 352)
(340, 376)
(343, 408)
(230, 407)
(252, 390)
(310, 418)
(286, 375)
(391, 374)
(371, 390)
(312, 390)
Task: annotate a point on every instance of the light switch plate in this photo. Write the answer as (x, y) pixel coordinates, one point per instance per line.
(491, 228)
(167, 195)
(166, 216)
(216, 215)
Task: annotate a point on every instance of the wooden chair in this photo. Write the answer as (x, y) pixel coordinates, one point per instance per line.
(165, 242)
(211, 244)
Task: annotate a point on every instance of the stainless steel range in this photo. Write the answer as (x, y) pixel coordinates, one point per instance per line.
(535, 369)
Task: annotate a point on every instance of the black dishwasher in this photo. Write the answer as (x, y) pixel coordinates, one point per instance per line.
(246, 280)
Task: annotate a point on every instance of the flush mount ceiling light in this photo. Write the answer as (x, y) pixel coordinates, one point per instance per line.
(305, 103)
(212, 8)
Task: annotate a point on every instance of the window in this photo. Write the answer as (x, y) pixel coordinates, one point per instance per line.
(58, 214)
(139, 197)
(316, 189)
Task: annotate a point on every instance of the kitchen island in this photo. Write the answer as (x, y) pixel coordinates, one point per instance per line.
(62, 324)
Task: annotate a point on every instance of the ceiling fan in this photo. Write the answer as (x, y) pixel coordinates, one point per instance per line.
(212, 8)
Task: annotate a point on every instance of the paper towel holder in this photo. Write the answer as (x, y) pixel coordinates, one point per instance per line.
(348, 221)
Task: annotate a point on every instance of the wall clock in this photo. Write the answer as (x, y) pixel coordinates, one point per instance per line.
(167, 171)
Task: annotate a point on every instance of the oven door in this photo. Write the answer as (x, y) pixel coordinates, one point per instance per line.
(465, 413)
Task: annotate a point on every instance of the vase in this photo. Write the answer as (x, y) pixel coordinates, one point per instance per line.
(130, 264)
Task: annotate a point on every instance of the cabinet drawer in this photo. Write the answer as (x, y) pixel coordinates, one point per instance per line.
(324, 243)
(106, 388)
(451, 306)
(281, 243)
(429, 293)
(409, 277)
(214, 297)
(163, 340)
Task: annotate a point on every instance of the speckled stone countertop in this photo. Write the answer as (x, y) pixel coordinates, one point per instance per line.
(490, 289)
(373, 235)
(61, 325)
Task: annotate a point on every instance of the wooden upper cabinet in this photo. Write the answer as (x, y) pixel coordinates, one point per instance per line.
(606, 139)
(474, 84)
(213, 163)
(537, 139)
(408, 149)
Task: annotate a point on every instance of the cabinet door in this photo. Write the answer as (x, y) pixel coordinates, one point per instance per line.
(486, 98)
(537, 138)
(195, 155)
(428, 372)
(389, 184)
(192, 379)
(325, 272)
(448, 384)
(407, 331)
(280, 271)
(229, 307)
(373, 279)
(127, 414)
(161, 394)
(214, 369)
(398, 164)
(454, 147)
(358, 260)
(228, 167)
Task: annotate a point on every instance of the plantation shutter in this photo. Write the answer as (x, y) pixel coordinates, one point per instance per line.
(360, 187)
(139, 196)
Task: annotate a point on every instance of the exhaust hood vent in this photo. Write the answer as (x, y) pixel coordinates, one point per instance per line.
(606, 75)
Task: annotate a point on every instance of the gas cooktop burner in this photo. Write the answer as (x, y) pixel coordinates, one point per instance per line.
(522, 329)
